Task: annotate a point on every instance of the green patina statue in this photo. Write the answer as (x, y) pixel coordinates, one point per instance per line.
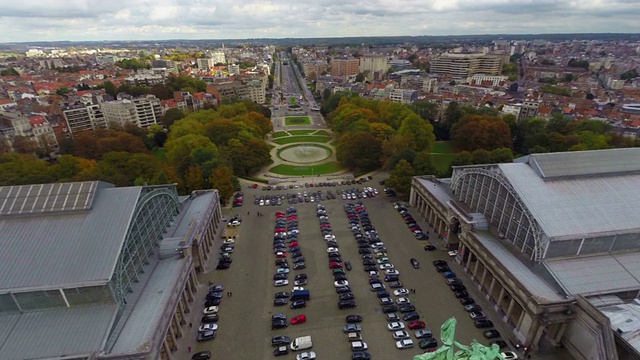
(448, 350)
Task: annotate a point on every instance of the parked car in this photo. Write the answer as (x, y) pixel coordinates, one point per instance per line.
(415, 263)
(211, 318)
(206, 335)
(299, 319)
(352, 328)
(396, 325)
(280, 340)
(411, 316)
(352, 319)
(281, 282)
(491, 334)
(202, 355)
(278, 324)
(404, 344)
(483, 323)
(416, 325)
(428, 343)
(307, 355)
(298, 304)
(400, 334)
(281, 350)
(509, 355)
(423, 333)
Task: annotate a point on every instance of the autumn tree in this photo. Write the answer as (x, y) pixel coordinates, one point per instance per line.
(400, 178)
(481, 132)
(359, 151)
(418, 131)
(423, 164)
(222, 180)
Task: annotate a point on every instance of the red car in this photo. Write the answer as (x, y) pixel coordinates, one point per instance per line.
(292, 217)
(335, 265)
(279, 215)
(255, 186)
(298, 319)
(281, 255)
(293, 243)
(416, 325)
(279, 230)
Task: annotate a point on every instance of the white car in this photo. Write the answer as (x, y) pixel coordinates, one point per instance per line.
(383, 260)
(401, 292)
(297, 288)
(307, 355)
(396, 325)
(509, 355)
(210, 310)
(377, 286)
(400, 335)
(332, 249)
(392, 272)
(393, 317)
(404, 344)
(281, 282)
(452, 253)
(386, 266)
(403, 300)
(282, 270)
(234, 223)
(229, 241)
(261, 202)
(329, 237)
(341, 283)
(359, 346)
(373, 273)
(208, 327)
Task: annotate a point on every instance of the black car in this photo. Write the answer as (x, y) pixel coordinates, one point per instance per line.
(396, 284)
(279, 324)
(428, 343)
(206, 335)
(212, 302)
(439, 262)
(364, 251)
(458, 287)
(415, 263)
(280, 277)
(411, 316)
(281, 350)
(208, 319)
(347, 265)
(343, 289)
(279, 316)
(202, 355)
(280, 340)
(406, 308)
(214, 295)
(282, 294)
(390, 278)
(389, 308)
(368, 262)
(461, 294)
(301, 276)
(280, 302)
(370, 268)
(483, 323)
(352, 319)
(442, 268)
(346, 304)
(346, 296)
(298, 304)
(225, 259)
(338, 277)
(467, 301)
(429, 248)
(223, 266)
(298, 259)
(491, 334)
(360, 355)
(299, 266)
(421, 236)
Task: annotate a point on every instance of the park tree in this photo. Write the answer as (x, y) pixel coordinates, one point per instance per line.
(418, 131)
(359, 151)
(122, 168)
(69, 168)
(183, 152)
(22, 169)
(171, 116)
(194, 179)
(423, 164)
(462, 158)
(360, 78)
(248, 156)
(501, 155)
(481, 156)
(481, 132)
(222, 180)
(381, 131)
(426, 109)
(400, 177)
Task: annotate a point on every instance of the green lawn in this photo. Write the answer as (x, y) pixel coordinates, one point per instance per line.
(280, 134)
(326, 168)
(297, 120)
(322, 132)
(295, 139)
(443, 162)
(301, 132)
(159, 153)
(443, 147)
(334, 144)
(271, 147)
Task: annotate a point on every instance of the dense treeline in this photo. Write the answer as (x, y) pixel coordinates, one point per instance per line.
(202, 150)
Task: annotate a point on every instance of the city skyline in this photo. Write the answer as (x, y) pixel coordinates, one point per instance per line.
(90, 20)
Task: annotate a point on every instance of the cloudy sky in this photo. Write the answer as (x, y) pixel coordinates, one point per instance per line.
(29, 20)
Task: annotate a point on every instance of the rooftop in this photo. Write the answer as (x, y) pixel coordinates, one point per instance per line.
(593, 204)
(91, 236)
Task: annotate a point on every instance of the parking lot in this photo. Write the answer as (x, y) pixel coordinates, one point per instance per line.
(245, 317)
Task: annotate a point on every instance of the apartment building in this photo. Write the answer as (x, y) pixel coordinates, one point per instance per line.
(483, 79)
(143, 111)
(218, 57)
(83, 117)
(314, 68)
(35, 129)
(466, 65)
(204, 64)
(43, 133)
(374, 64)
(344, 66)
(253, 89)
(234, 69)
(525, 110)
(403, 96)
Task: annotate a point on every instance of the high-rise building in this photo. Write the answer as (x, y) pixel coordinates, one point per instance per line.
(465, 65)
(344, 66)
(218, 57)
(83, 117)
(205, 64)
(142, 112)
(373, 64)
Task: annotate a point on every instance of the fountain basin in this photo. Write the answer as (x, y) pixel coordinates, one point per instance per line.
(304, 153)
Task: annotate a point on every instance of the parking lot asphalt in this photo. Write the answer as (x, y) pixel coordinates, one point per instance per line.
(245, 326)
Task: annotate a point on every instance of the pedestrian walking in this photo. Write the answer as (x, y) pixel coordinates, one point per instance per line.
(230, 293)
(247, 212)
(190, 325)
(189, 348)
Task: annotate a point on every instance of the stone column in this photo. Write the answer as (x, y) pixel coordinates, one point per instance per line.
(173, 343)
(176, 324)
(493, 283)
(512, 302)
(475, 268)
(167, 349)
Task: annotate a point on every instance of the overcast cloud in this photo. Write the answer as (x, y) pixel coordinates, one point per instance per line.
(30, 20)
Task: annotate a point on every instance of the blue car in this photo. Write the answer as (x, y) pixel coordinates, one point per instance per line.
(449, 274)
